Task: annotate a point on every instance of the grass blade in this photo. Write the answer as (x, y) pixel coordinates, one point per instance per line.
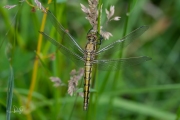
(10, 93)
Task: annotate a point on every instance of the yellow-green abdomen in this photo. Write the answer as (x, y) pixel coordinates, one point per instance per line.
(89, 58)
(87, 82)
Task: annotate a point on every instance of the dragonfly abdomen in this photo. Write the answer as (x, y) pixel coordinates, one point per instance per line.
(87, 82)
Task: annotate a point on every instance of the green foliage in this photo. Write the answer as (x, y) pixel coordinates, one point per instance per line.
(149, 91)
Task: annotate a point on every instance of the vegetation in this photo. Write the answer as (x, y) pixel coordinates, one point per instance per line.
(149, 91)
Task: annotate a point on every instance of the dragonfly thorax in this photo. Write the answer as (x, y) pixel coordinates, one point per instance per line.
(90, 47)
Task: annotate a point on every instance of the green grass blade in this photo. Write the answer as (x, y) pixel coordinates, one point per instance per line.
(178, 114)
(158, 88)
(10, 93)
(143, 109)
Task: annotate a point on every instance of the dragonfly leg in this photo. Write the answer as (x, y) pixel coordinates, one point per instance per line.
(100, 38)
(89, 31)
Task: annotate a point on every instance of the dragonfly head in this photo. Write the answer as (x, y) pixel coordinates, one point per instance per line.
(92, 35)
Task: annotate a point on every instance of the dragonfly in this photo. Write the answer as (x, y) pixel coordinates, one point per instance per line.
(89, 56)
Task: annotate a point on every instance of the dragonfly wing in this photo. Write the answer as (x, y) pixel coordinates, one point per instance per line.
(115, 46)
(67, 38)
(118, 64)
(71, 55)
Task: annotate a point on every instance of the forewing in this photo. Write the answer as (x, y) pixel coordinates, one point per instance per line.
(116, 46)
(69, 54)
(67, 38)
(118, 64)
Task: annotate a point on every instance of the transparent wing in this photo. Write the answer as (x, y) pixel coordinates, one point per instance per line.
(69, 54)
(67, 38)
(118, 64)
(116, 46)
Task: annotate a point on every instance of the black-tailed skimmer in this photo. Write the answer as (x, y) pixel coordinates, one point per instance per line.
(89, 55)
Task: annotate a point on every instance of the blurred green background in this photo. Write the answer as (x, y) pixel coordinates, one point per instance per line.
(149, 91)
